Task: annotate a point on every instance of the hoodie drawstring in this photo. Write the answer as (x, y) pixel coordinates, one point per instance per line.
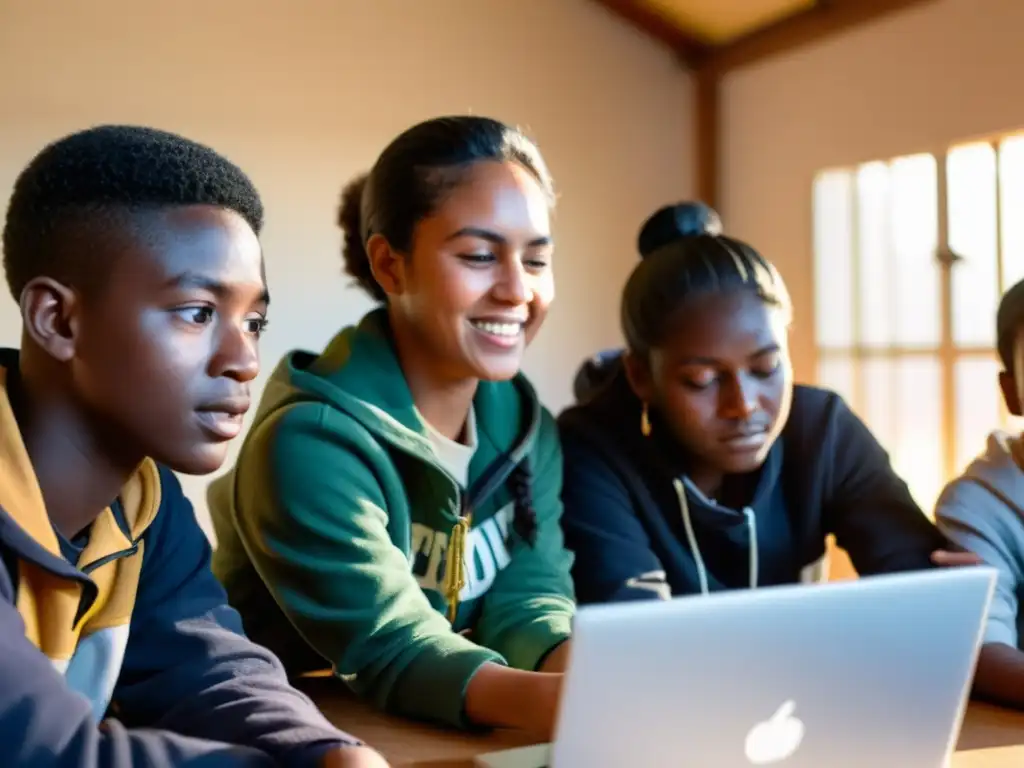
(691, 538)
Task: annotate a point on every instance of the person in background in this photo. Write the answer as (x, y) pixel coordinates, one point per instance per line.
(660, 227)
(394, 512)
(983, 511)
(134, 257)
(699, 466)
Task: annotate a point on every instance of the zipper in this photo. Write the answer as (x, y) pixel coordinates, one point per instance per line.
(455, 555)
(455, 573)
(89, 589)
(133, 549)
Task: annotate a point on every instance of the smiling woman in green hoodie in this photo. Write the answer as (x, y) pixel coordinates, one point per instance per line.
(395, 507)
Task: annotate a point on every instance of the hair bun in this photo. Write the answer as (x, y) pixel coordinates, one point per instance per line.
(673, 222)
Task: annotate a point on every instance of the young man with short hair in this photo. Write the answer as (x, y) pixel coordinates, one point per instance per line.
(983, 511)
(134, 257)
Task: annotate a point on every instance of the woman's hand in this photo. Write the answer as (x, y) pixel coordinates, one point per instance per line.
(502, 697)
(542, 717)
(949, 558)
(353, 757)
(558, 659)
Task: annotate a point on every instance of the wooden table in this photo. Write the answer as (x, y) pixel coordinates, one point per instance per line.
(990, 738)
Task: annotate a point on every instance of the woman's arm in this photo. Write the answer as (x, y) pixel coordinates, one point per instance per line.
(558, 659)
(869, 507)
(514, 698)
(313, 521)
(527, 613)
(999, 675)
(528, 610)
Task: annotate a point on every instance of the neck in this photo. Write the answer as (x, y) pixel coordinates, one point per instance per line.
(444, 408)
(76, 474)
(442, 400)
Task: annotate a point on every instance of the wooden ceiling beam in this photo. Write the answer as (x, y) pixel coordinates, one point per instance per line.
(710, 63)
(707, 135)
(691, 50)
(825, 18)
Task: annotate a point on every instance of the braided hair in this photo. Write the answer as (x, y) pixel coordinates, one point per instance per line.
(524, 520)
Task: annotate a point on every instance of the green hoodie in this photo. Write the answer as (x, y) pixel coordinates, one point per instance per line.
(333, 527)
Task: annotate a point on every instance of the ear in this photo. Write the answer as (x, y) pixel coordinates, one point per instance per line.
(638, 372)
(1011, 396)
(387, 265)
(50, 314)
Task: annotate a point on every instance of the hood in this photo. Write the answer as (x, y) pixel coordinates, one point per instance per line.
(595, 373)
(32, 534)
(1000, 465)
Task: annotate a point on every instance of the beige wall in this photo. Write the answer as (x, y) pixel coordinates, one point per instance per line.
(945, 71)
(304, 94)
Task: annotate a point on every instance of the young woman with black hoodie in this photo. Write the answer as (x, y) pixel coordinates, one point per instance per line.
(694, 464)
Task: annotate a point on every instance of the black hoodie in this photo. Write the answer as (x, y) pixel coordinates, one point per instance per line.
(638, 532)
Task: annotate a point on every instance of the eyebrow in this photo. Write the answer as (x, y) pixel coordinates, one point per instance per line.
(494, 237)
(216, 287)
(712, 361)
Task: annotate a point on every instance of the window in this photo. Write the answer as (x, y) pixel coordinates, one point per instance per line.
(911, 257)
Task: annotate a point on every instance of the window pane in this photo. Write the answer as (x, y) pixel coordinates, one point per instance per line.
(915, 238)
(918, 456)
(833, 259)
(978, 405)
(837, 373)
(878, 381)
(874, 268)
(1011, 189)
(903, 407)
(971, 171)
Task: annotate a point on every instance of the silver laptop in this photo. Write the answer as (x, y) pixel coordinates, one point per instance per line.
(872, 672)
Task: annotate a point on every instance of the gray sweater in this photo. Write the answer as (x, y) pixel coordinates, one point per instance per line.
(983, 511)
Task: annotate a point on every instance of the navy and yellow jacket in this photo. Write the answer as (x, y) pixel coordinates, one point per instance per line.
(128, 622)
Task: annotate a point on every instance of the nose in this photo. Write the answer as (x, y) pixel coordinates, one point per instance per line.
(514, 287)
(737, 398)
(236, 354)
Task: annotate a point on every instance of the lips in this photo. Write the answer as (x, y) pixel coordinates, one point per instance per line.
(747, 439)
(502, 332)
(223, 421)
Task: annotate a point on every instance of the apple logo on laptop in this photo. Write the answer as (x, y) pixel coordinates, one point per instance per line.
(776, 738)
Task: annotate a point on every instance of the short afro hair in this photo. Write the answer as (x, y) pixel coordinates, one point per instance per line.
(104, 173)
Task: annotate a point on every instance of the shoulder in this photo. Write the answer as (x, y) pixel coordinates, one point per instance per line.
(173, 502)
(309, 451)
(813, 404)
(175, 517)
(611, 414)
(964, 499)
(819, 417)
(602, 438)
(990, 489)
(582, 431)
(309, 430)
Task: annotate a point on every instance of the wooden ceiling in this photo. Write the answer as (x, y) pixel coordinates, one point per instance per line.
(716, 22)
(716, 36)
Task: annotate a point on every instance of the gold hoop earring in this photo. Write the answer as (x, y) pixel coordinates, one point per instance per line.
(645, 422)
